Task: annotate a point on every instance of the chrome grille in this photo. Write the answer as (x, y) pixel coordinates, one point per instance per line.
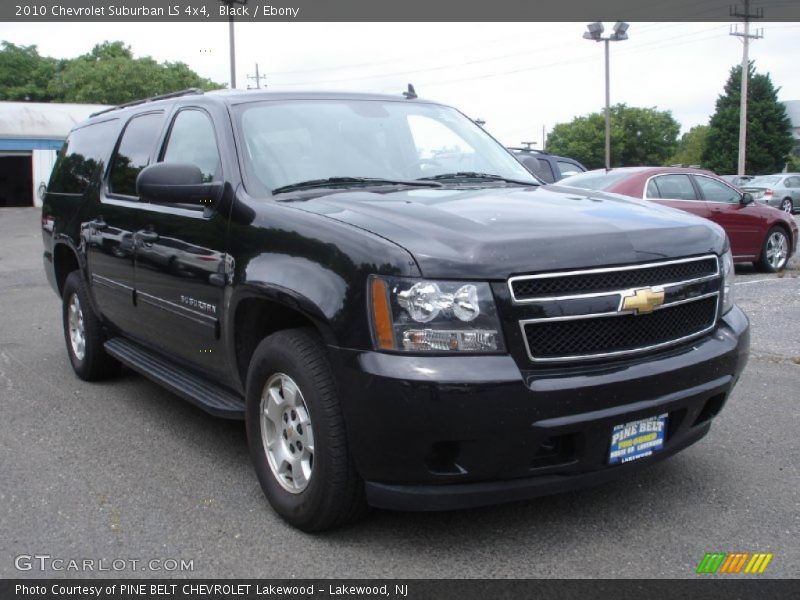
(572, 283)
(567, 333)
(619, 333)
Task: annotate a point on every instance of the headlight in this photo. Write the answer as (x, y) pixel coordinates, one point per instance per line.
(727, 281)
(420, 315)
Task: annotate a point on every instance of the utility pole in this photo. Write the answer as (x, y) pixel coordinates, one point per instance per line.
(544, 140)
(258, 77)
(232, 37)
(746, 36)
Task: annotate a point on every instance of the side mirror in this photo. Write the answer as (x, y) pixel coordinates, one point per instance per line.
(176, 183)
(747, 198)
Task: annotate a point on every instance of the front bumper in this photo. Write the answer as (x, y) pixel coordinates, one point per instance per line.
(434, 433)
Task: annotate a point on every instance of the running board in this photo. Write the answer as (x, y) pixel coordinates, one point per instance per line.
(210, 397)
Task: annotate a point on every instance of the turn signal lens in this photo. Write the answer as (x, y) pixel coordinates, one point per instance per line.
(381, 314)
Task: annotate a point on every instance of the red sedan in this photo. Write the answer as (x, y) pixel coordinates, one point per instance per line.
(758, 233)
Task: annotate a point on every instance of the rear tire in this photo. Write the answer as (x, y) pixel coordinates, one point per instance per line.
(775, 251)
(296, 433)
(787, 206)
(83, 333)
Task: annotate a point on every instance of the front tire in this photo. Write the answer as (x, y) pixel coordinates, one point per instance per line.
(775, 251)
(83, 333)
(296, 433)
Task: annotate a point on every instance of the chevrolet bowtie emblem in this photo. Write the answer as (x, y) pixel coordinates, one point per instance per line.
(643, 300)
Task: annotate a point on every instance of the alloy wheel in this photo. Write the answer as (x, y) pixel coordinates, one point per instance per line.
(77, 333)
(286, 433)
(777, 250)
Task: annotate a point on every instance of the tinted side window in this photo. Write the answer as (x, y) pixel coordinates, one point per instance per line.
(539, 167)
(134, 151)
(792, 182)
(714, 191)
(192, 141)
(567, 168)
(674, 187)
(83, 157)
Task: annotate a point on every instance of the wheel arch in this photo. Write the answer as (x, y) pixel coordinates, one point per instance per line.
(65, 260)
(262, 310)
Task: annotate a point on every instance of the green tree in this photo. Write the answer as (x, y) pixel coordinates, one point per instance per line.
(769, 138)
(639, 136)
(691, 147)
(24, 74)
(109, 74)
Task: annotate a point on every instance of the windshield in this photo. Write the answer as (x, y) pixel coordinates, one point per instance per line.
(289, 142)
(594, 180)
(765, 181)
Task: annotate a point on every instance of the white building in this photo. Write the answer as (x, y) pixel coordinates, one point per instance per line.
(30, 136)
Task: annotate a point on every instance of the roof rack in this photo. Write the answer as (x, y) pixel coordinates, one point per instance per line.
(186, 92)
(528, 149)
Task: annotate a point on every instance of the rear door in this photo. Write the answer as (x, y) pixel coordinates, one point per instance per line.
(793, 188)
(677, 191)
(741, 222)
(109, 234)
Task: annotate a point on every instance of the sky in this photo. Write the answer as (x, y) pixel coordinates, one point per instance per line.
(518, 77)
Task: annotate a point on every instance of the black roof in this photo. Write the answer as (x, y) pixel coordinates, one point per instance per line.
(236, 97)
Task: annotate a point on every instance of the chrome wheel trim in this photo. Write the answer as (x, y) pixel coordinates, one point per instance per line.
(777, 250)
(286, 433)
(77, 333)
(786, 206)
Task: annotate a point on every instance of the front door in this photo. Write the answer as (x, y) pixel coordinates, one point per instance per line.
(741, 222)
(181, 263)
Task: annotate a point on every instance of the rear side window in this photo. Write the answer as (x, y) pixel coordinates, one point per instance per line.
(133, 153)
(671, 187)
(83, 158)
(539, 167)
(792, 182)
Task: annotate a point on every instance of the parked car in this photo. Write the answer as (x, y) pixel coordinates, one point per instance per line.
(547, 167)
(781, 190)
(758, 233)
(737, 180)
(392, 332)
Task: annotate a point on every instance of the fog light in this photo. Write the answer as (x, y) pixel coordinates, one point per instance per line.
(450, 340)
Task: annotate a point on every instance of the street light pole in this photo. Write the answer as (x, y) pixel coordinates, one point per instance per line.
(595, 32)
(608, 105)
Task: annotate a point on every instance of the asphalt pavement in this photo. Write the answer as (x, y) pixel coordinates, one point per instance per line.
(124, 470)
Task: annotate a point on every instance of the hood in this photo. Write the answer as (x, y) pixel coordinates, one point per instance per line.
(492, 233)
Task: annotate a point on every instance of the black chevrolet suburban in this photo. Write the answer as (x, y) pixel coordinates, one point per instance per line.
(401, 313)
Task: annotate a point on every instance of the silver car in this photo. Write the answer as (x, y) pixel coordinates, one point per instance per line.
(781, 190)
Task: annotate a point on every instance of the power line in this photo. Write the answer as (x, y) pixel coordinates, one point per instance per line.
(414, 72)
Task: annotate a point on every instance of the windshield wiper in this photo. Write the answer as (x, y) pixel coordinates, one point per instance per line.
(475, 175)
(349, 181)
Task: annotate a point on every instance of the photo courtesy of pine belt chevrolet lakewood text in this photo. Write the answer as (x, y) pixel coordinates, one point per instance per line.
(404, 316)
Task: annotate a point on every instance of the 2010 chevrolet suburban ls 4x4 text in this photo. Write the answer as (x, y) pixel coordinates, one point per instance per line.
(403, 315)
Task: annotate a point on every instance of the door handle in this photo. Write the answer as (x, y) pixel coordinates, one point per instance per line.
(148, 237)
(99, 224)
